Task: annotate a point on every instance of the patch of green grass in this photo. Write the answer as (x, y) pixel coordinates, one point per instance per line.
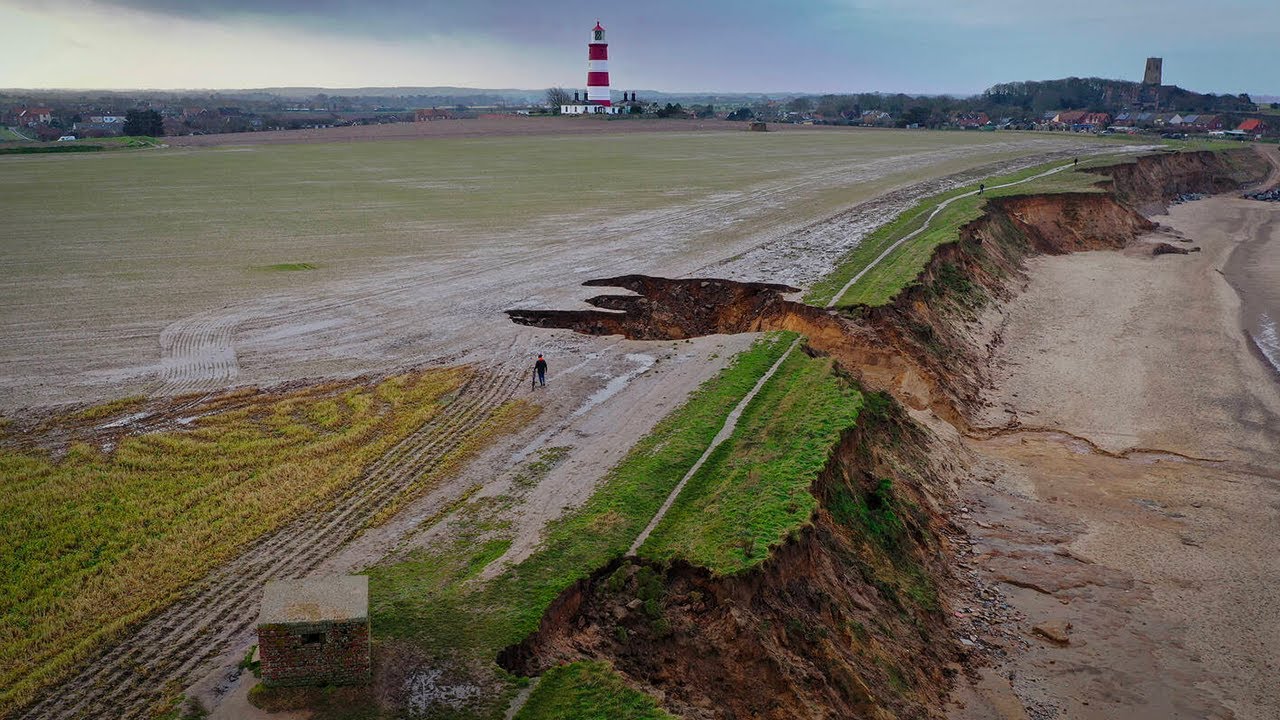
(877, 517)
(901, 267)
(248, 663)
(49, 149)
(115, 407)
(754, 490)
(588, 691)
(874, 514)
(287, 267)
(433, 599)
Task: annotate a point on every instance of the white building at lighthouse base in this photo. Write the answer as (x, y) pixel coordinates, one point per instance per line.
(592, 109)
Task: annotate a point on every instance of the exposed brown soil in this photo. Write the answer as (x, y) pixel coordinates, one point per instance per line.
(776, 641)
(1151, 181)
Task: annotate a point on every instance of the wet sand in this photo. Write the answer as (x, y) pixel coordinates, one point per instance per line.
(1142, 520)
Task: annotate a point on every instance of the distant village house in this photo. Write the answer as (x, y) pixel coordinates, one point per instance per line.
(27, 117)
(1253, 126)
(431, 114)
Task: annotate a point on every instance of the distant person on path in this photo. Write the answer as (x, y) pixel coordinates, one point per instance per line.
(981, 187)
(540, 367)
(1075, 163)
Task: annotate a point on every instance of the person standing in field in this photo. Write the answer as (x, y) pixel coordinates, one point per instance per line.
(540, 367)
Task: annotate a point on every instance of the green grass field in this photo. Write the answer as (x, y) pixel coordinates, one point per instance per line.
(125, 242)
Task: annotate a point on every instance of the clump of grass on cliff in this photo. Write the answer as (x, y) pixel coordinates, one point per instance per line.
(435, 600)
(754, 491)
(94, 541)
(588, 691)
(884, 522)
(901, 267)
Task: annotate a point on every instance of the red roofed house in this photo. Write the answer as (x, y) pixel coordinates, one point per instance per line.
(972, 120)
(33, 116)
(1068, 117)
(1095, 120)
(1254, 126)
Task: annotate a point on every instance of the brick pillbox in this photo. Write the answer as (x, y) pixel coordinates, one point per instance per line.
(315, 632)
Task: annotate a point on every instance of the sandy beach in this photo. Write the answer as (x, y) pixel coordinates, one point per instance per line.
(1134, 519)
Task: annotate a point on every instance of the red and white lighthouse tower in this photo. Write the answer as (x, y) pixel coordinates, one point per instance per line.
(598, 68)
(596, 100)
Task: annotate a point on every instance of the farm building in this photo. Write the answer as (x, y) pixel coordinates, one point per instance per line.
(315, 631)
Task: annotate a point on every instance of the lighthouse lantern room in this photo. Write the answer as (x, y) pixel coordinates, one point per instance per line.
(596, 100)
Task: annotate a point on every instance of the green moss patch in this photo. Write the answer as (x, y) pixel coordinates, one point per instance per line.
(588, 691)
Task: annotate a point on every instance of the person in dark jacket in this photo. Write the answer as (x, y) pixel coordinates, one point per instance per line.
(540, 367)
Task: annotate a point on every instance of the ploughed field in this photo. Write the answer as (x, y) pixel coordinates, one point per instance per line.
(191, 269)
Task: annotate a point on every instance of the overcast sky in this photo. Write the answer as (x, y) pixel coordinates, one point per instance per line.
(924, 46)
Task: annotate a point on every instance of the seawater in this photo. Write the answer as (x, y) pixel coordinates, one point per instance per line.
(1267, 337)
(1254, 271)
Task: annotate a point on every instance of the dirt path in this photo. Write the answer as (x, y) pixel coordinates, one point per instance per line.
(137, 672)
(1155, 573)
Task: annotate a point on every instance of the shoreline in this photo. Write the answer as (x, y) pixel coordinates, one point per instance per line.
(1259, 309)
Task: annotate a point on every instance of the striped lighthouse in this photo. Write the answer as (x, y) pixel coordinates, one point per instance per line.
(598, 68)
(596, 100)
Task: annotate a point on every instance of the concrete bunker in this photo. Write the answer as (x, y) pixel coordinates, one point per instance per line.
(315, 632)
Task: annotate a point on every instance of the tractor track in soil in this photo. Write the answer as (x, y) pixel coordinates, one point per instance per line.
(135, 673)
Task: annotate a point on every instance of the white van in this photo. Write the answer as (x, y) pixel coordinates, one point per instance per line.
(65, 138)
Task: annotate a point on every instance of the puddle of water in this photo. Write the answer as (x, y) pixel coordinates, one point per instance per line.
(611, 388)
(614, 386)
(127, 420)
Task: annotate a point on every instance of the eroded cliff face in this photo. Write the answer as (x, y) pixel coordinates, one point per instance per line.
(849, 618)
(845, 620)
(1151, 181)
